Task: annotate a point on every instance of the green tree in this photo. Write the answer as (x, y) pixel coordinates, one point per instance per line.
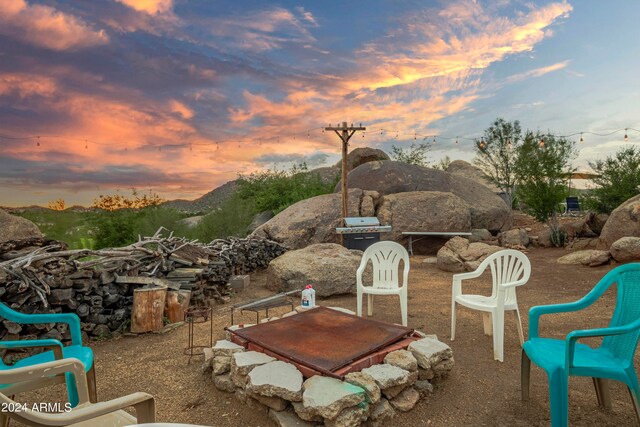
(496, 154)
(618, 180)
(542, 166)
(416, 154)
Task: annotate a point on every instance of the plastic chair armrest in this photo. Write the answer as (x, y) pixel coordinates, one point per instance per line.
(49, 369)
(143, 403)
(537, 311)
(54, 345)
(574, 336)
(470, 275)
(69, 318)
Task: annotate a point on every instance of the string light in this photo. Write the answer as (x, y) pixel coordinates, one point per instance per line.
(541, 143)
(259, 141)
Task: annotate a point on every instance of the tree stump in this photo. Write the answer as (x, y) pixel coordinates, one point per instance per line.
(175, 305)
(148, 309)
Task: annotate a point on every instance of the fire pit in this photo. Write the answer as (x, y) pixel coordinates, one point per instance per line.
(325, 366)
(325, 341)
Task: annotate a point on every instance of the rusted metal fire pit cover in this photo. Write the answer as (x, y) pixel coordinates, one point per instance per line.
(322, 338)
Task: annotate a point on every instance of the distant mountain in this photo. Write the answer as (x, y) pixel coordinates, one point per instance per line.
(212, 200)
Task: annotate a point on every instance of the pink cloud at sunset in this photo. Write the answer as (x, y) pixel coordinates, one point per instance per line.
(149, 6)
(44, 26)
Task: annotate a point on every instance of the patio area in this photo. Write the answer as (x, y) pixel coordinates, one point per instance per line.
(478, 391)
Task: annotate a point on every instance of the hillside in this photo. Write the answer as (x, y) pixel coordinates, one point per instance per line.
(212, 200)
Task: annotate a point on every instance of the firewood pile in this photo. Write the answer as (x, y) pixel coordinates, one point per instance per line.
(44, 276)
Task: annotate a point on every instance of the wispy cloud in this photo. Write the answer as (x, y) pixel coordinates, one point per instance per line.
(264, 30)
(47, 27)
(537, 72)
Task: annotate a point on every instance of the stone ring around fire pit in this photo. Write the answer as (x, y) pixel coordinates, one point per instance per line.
(372, 394)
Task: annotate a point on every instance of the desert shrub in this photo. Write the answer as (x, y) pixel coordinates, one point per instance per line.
(122, 227)
(137, 200)
(618, 180)
(415, 154)
(232, 218)
(275, 190)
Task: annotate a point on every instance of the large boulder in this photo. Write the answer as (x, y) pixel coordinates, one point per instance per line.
(329, 267)
(314, 220)
(590, 257)
(624, 221)
(327, 174)
(360, 156)
(466, 169)
(626, 249)
(487, 209)
(424, 210)
(458, 255)
(16, 228)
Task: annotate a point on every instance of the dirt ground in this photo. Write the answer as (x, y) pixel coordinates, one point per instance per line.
(479, 391)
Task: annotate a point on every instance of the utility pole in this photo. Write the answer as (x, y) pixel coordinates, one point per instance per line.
(345, 133)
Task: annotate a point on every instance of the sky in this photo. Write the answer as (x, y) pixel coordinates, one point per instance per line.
(177, 97)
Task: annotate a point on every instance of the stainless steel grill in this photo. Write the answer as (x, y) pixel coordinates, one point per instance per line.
(361, 232)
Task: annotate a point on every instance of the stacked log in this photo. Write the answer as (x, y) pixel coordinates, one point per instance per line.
(43, 276)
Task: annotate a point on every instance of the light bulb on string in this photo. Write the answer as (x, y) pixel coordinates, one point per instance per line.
(396, 134)
(509, 144)
(414, 136)
(190, 147)
(363, 134)
(86, 144)
(38, 142)
(581, 138)
(626, 137)
(541, 143)
(434, 139)
(456, 139)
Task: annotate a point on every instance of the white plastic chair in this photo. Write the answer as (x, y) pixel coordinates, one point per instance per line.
(385, 257)
(509, 269)
(86, 414)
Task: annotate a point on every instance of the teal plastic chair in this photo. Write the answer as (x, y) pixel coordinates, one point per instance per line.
(56, 351)
(612, 360)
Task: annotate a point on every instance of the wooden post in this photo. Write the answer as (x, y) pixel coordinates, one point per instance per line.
(345, 187)
(345, 133)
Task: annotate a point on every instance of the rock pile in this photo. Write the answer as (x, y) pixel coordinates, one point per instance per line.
(407, 197)
(373, 395)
